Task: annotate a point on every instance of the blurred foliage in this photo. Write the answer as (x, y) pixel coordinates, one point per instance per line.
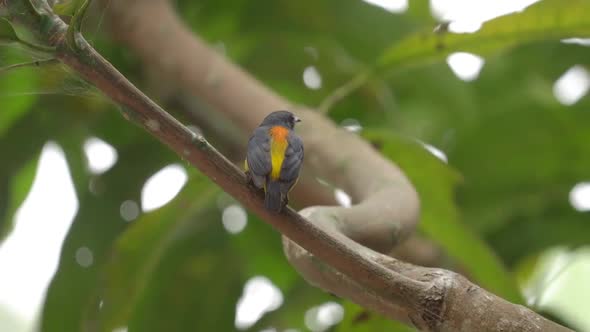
(549, 19)
(68, 7)
(7, 33)
(514, 154)
(441, 220)
(360, 320)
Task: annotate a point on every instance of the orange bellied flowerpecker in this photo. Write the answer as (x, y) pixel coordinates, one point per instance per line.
(274, 157)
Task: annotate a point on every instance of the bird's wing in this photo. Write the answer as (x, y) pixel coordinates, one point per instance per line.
(258, 156)
(293, 159)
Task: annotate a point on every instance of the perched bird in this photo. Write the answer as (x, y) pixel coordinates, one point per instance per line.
(274, 157)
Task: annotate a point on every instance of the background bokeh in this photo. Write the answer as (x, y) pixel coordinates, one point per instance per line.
(98, 220)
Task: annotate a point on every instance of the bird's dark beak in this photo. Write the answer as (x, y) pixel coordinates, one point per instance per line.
(297, 119)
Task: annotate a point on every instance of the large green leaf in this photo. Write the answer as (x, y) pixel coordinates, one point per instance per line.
(196, 287)
(96, 225)
(545, 20)
(16, 91)
(139, 251)
(440, 220)
(22, 141)
(7, 34)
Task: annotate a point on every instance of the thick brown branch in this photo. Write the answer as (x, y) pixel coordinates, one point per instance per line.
(429, 298)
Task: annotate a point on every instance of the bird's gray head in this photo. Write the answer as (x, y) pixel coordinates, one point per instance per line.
(281, 118)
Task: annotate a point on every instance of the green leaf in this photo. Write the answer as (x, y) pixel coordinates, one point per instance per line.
(7, 33)
(359, 319)
(17, 124)
(19, 185)
(545, 20)
(76, 23)
(68, 7)
(76, 9)
(15, 93)
(435, 182)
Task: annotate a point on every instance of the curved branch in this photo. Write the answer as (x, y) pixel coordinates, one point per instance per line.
(431, 299)
(333, 155)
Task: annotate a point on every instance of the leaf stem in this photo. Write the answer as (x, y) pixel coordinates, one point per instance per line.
(36, 63)
(344, 91)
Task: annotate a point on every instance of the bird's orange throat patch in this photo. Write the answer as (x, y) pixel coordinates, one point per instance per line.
(279, 133)
(278, 146)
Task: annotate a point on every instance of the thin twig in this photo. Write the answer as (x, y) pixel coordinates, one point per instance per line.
(343, 91)
(36, 47)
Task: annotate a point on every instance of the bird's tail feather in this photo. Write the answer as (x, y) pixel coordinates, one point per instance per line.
(272, 198)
